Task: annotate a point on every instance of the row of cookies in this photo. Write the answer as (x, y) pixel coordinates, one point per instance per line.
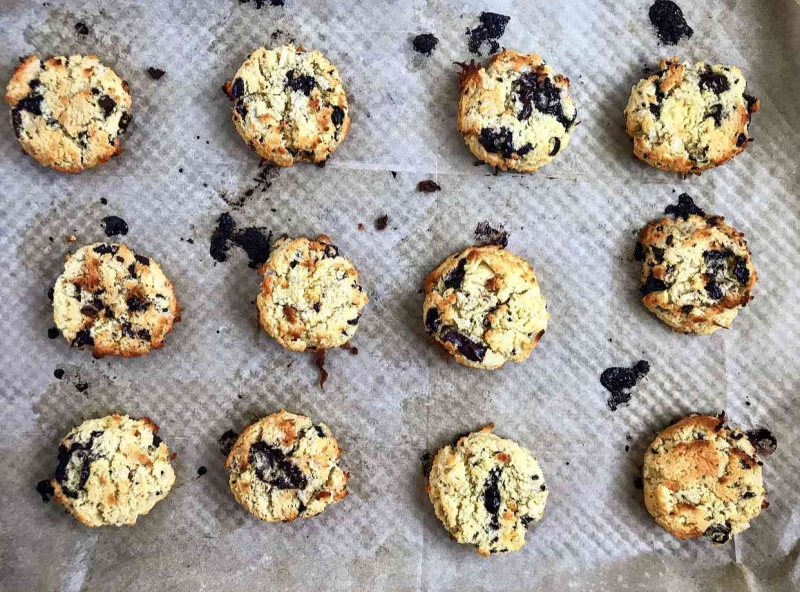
(484, 305)
(701, 477)
(69, 112)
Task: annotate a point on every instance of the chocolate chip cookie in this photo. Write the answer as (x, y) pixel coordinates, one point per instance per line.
(702, 478)
(112, 470)
(688, 118)
(114, 301)
(484, 306)
(487, 490)
(68, 112)
(289, 105)
(516, 113)
(284, 466)
(310, 297)
(697, 272)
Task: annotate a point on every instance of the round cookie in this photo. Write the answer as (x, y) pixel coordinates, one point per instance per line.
(68, 112)
(486, 490)
(485, 307)
(284, 467)
(702, 478)
(290, 105)
(687, 118)
(516, 113)
(112, 470)
(114, 301)
(696, 270)
(310, 297)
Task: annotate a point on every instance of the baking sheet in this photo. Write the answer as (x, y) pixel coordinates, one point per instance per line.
(575, 220)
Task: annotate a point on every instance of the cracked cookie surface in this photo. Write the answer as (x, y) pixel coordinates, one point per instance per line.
(310, 297)
(114, 301)
(68, 112)
(285, 467)
(484, 306)
(486, 490)
(688, 118)
(289, 105)
(516, 113)
(112, 470)
(702, 478)
(697, 272)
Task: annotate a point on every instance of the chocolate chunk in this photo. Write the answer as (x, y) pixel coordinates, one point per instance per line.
(655, 109)
(107, 104)
(718, 533)
(241, 108)
(684, 208)
(668, 20)
(201, 471)
(486, 235)
(687, 308)
(53, 333)
(81, 29)
(32, 104)
(103, 249)
(763, 440)
(751, 102)
(114, 226)
(272, 467)
(425, 43)
(492, 27)
(740, 141)
(471, 350)
(652, 285)
(45, 489)
(337, 117)
(226, 442)
(83, 338)
(715, 113)
(382, 222)
(354, 321)
(331, 252)
(124, 121)
(428, 186)
(156, 441)
(79, 453)
(658, 254)
(740, 270)
(155, 73)
(748, 494)
(320, 431)
(303, 83)
(136, 304)
(524, 149)
(713, 289)
(454, 279)
(638, 252)
(620, 381)
(432, 320)
(492, 498)
(499, 141)
(556, 146)
(237, 88)
(142, 260)
(716, 83)
(533, 90)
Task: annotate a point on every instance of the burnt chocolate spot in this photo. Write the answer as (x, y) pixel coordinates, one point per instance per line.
(432, 320)
(81, 29)
(556, 146)
(107, 104)
(486, 235)
(471, 350)
(711, 81)
(652, 285)
(684, 208)
(337, 117)
(114, 226)
(763, 440)
(536, 91)
(382, 222)
(718, 533)
(82, 339)
(499, 141)
(254, 240)
(715, 113)
(237, 88)
(428, 186)
(454, 279)
(45, 489)
(303, 83)
(425, 43)
(272, 467)
(620, 381)
(53, 333)
(492, 27)
(492, 498)
(103, 249)
(226, 442)
(668, 20)
(155, 73)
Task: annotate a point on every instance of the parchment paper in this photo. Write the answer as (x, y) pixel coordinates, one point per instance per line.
(575, 220)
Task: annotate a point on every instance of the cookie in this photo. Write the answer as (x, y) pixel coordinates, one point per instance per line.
(702, 478)
(688, 118)
(486, 490)
(310, 297)
(289, 105)
(284, 467)
(485, 307)
(68, 112)
(516, 113)
(697, 272)
(114, 301)
(112, 470)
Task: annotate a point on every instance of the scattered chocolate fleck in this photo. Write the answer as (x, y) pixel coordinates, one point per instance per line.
(620, 381)
(492, 27)
(353, 350)
(486, 235)
(201, 471)
(425, 43)
(226, 442)
(382, 222)
(81, 29)
(53, 333)
(319, 360)
(361, 226)
(684, 208)
(81, 386)
(671, 26)
(103, 201)
(155, 73)
(114, 226)
(45, 489)
(254, 240)
(260, 3)
(428, 186)
(763, 440)
(58, 373)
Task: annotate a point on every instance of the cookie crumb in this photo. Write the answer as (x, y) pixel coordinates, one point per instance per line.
(319, 360)
(492, 27)
(668, 20)
(382, 222)
(620, 381)
(486, 235)
(428, 186)
(155, 73)
(114, 226)
(361, 226)
(425, 43)
(81, 29)
(104, 201)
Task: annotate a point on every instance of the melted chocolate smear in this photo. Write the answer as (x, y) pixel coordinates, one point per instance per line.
(486, 235)
(303, 83)
(45, 489)
(671, 26)
(428, 186)
(274, 468)
(620, 381)
(226, 442)
(492, 498)
(763, 440)
(155, 73)
(255, 241)
(382, 222)
(539, 92)
(319, 360)
(114, 226)
(684, 208)
(425, 43)
(492, 27)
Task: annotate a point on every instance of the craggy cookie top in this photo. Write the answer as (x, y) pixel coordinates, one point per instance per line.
(696, 270)
(701, 478)
(516, 113)
(486, 490)
(283, 467)
(485, 307)
(112, 470)
(114, 301)
(68, 112)
(310, 297)
(689, 117)
(289, 105)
